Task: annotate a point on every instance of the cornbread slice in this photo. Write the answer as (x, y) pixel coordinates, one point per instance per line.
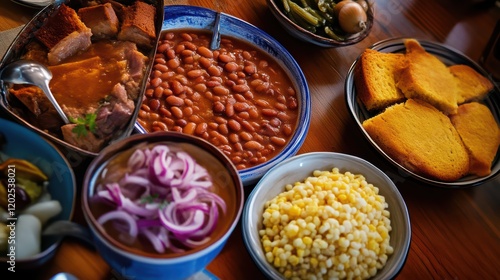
(423, 76)
(421, 138)
(374, 79)
(472, 86)
(64, 34)
(480, 133)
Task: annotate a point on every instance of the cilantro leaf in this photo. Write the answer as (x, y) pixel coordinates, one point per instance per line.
(83, 125)
(90, 120)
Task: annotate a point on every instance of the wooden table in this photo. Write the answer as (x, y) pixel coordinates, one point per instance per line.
(455, 232)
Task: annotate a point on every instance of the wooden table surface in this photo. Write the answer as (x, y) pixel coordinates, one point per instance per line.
(455, 232)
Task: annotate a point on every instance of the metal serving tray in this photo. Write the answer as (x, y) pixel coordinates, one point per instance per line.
(16, 50)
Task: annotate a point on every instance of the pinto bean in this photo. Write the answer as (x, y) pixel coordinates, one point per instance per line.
(205, 62)
(154, 104)
(233, 97)
(225, 58)
(234, 125)
(189, 128)
(195, 73)
(253, 145)
(175, 101)
(201, 128)
(155, 82)
(241, 106)
(241, 88)
(229, 109)
(205, 52)
(176, 112)
(278, 141)
(218, 107)
(221, 90)
(213, 70)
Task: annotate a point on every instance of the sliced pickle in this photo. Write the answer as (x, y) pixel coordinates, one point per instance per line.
(23, 169)
(29, 182)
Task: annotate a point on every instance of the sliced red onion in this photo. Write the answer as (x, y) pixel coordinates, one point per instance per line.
(211, 224)
(154, 239)
(122, 216)
(210, 196)
(138, 209)
(165, 197)
(195, 206)
(137, 159)
(115, 193)
(190, 195)
(135, 180)
(194, 243)
(188, 229)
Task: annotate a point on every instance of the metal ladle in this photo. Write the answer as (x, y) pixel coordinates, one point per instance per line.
(32, 73)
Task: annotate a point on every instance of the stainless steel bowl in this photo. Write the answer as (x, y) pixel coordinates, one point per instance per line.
(449, 56)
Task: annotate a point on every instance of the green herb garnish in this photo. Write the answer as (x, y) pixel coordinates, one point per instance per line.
(149, 198)
(83, 125)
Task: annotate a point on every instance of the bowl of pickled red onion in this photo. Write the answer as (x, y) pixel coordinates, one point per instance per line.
(161, 204)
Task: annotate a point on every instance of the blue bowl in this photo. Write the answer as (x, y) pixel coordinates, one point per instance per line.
(136, 264)
(192, 17)
(25, 144)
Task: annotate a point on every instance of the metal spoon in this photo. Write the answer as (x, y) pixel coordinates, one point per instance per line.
(215, 42)
(64, 276)
(32, 73)
(69, 228)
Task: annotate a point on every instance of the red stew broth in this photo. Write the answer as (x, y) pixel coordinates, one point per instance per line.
(237, 98)
(223, 185)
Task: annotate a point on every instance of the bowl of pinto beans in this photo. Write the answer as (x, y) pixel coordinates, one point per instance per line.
(249, 97)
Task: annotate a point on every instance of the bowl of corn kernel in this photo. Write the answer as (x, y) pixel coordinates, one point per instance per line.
(326, 215)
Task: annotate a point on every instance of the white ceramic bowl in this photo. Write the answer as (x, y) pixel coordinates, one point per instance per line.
(199, 18)
(298, 168)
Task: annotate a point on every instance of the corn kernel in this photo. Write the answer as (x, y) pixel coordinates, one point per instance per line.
(300, 253)
(307, 240)
(293, 260)
(270, 257)
(331, 225)
(294, 211)
(313, 262)
(277, 262)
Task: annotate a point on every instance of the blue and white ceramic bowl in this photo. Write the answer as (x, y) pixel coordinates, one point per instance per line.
(192, 17)
(297, 169)
(20, 142)
(134, 263)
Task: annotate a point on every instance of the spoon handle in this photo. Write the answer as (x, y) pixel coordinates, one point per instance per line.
(68, 228)
(215, 43)
(46, 89)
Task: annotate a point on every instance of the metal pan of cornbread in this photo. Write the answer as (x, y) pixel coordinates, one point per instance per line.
(106, 23)
(448, 56)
